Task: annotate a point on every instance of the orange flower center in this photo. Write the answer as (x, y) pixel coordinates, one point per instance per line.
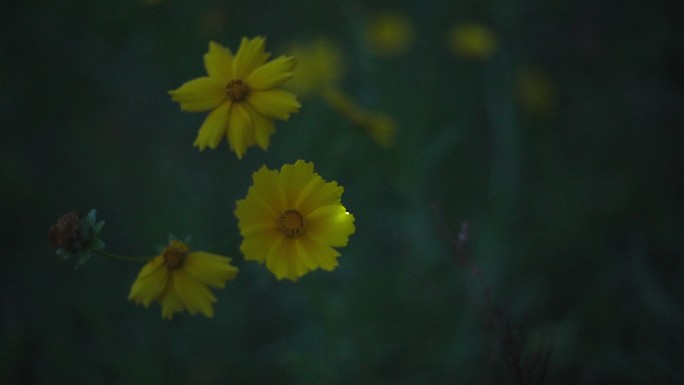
(291, 223)
(174, 254)
(237, 90)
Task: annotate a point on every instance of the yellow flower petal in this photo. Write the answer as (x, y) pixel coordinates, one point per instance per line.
(312, 188)
(257, 216)
(255, 247)
(150, 282)
(304, 252)
(331, 225)
(255, 228)
(271, 74)
(209, 269)
(265, 190)
(263, 127)
(151, 266)
(284, 262)
(324, 255)
(214, 127)
(170, 302)
(297, 265)
(239, 130)
(327, 194)
(274, 103)
(273, 257)
(249, 56)
(201, 94)
(219, 62)
(294, 178)
(195, 296)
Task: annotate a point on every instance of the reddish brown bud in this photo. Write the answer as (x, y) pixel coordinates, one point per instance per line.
(69, 232)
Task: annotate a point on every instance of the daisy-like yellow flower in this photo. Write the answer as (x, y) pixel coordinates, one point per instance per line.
(179, 279)
(292, 220)
(241, 92)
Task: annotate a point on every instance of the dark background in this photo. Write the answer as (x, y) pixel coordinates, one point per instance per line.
(573, 270)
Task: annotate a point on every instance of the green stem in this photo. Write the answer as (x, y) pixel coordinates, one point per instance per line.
(122, 257)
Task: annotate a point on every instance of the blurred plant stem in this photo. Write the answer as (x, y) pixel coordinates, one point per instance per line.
(122, 257)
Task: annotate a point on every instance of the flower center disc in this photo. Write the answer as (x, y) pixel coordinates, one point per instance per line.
(237, 90)
(174, 255)
(291, 223)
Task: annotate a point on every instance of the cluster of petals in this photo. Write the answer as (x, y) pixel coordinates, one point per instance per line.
(180, 279)
(242, 93)
(292, 220)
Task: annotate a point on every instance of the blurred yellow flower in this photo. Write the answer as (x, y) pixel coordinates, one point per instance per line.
(472, 41)
(381, 128)
(390, 34)
(319, 65)
(179, 279)
(536, 92)
(292, 219)
(241, 93)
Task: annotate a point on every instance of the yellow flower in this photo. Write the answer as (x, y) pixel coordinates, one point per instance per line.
(390, 34)
(472, 41)
(241, 93)
(292, 220)
(319, 65)
(179, 279)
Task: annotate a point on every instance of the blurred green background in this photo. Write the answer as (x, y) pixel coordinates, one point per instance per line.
(572, 270)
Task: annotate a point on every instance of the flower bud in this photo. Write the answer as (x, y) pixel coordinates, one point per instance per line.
(76, 235)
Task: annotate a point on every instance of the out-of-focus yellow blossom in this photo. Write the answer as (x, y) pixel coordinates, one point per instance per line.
(390, 34)
(180, 279)
(536, 92)
(381, 127)
(319, 70)
(472, 41)
(292, 220)
(241, 93)
(319, 66)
